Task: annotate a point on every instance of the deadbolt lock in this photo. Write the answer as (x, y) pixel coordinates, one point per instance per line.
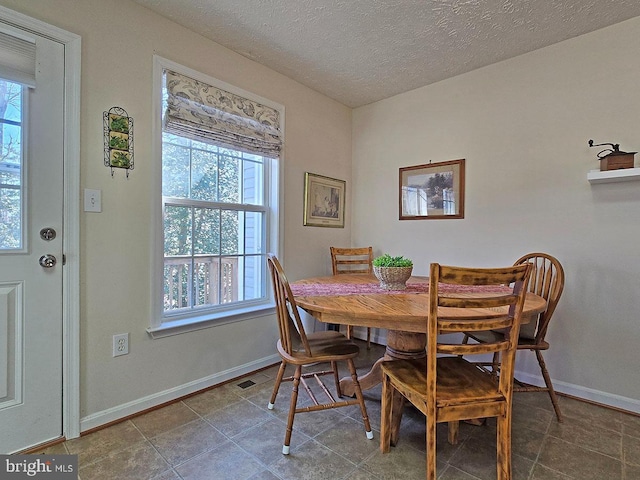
(47, 234)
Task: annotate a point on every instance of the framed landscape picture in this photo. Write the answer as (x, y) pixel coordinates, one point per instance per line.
(324, 200)
(432, 191)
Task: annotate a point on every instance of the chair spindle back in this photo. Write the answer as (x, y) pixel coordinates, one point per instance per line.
(547, 281)
(292, 334)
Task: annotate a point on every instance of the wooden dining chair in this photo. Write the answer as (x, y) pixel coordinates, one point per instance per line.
(547, 281)
(451, 388)
(352, 260)
(306, 352)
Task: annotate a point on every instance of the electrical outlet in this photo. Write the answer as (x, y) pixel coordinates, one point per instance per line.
(120, 344)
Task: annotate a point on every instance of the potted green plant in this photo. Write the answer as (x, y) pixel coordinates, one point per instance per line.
(393, 272)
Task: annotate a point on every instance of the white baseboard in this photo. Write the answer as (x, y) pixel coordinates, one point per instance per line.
(604, 398)
(131, 408)
(610, 399)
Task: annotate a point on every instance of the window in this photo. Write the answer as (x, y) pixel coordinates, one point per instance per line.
(219, 198)
(11, 171)
(17, 75)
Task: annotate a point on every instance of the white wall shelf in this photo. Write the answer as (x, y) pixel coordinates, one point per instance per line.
(611, 176)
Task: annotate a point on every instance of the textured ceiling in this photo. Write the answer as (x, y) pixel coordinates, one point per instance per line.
(361, 51)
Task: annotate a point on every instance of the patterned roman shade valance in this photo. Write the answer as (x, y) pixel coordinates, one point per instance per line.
(209, 114)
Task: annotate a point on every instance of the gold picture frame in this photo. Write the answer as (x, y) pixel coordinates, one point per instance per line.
(324, 201)
(432, 191)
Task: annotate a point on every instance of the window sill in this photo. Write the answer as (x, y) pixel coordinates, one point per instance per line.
(192, 324)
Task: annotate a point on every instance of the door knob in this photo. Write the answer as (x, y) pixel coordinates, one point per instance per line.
(47, 261)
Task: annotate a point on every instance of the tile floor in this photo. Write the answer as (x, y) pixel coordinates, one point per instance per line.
(227, 433)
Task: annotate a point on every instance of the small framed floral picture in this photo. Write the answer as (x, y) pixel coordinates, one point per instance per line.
(324, 200)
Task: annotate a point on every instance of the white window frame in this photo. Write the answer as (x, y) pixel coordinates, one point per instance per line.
(161, 324)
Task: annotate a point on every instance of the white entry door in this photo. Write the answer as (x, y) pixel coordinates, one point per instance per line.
(31, 257)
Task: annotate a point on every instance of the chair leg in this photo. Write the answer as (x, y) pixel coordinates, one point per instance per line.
(453, 429)
(547, 381)
(276, 387)
(503, 446)
(292, 410)
(360, 397)
(392, 405)
(431, 446)
(397, 410)
(350, 335)
(385, 414)
(336, 379)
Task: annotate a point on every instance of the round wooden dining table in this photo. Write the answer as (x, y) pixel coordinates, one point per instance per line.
(357, 299)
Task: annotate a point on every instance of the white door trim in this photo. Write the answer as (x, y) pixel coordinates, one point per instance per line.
(71, 221)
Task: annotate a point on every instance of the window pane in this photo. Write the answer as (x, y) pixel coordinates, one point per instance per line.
(175, 170)
(229, 179)
(11, 96)
(206, 232)
(205, 281)
(252, 156)
(254, 278)
(229, 280)
(11, 142)
(10, 217)
(176, 284)
(253, 232)
(230, 233)
(252, 183)
(204, 176)
(10, 175)
(11, 188)
(203, 146)
(175, 139)
(177, 231)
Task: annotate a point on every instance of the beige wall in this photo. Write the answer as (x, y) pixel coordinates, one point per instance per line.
(523, 125)
(119, 39)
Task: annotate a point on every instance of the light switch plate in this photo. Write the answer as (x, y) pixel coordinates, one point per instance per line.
(92, 200)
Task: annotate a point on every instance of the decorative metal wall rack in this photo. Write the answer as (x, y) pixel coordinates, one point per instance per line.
(118, 139)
